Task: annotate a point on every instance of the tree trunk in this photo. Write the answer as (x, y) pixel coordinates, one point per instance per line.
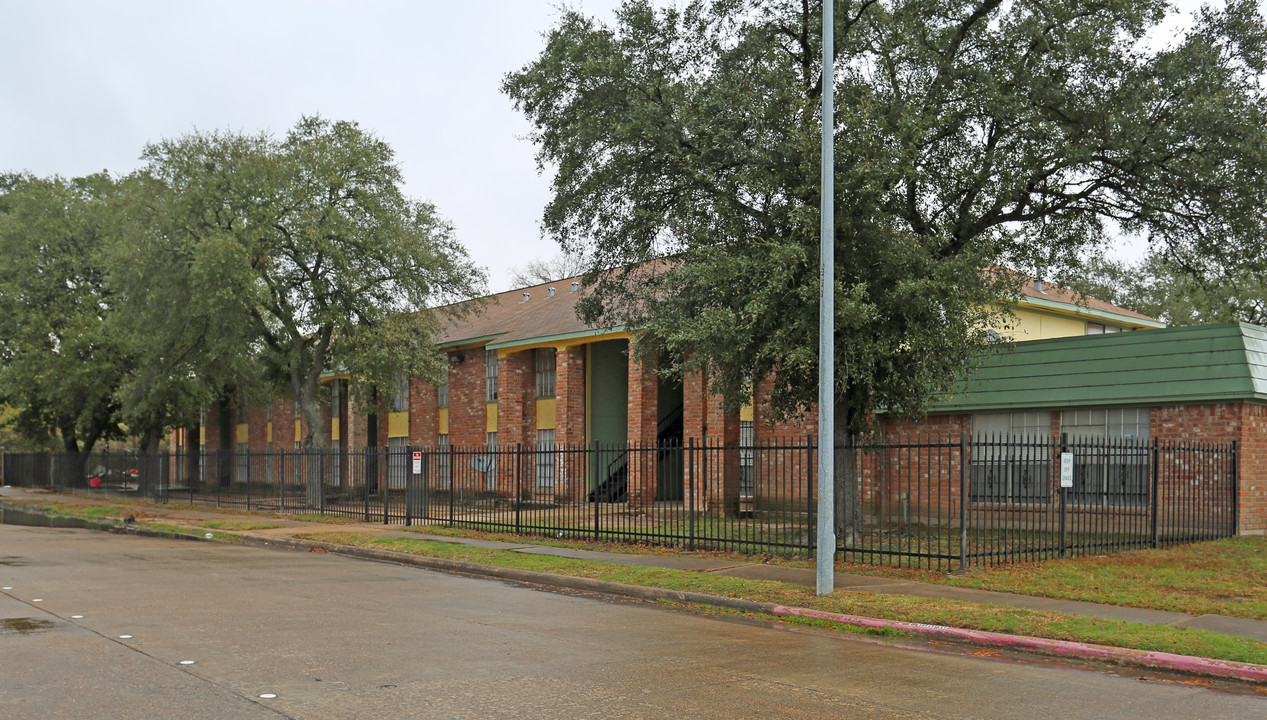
(224, 454)
(316, 440)
(847, 482)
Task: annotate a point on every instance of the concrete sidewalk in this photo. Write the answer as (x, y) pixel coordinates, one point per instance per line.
(288, 528)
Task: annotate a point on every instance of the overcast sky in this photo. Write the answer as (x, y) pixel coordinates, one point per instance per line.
(85, 84)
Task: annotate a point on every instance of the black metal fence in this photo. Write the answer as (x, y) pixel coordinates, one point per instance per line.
(940, 502)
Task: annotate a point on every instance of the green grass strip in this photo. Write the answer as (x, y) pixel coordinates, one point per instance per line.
(992, 618)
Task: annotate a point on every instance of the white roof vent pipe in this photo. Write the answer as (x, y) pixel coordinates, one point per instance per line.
(526, 296)
(551, 292)
(575, 286)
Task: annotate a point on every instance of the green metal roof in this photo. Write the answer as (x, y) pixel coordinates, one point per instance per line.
(1179, 365)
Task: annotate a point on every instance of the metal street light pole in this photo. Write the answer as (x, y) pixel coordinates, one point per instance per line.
(826, 564)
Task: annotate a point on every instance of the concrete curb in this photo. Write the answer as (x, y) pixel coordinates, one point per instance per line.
(1154, 660)
(1124, 656)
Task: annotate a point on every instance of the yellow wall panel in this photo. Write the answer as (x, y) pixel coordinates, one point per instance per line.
(490, 417)
(268, 437)
(1041, 326)
(398, 424)
(244, 433)
(202, 434)
(545, 413)
(334, 429)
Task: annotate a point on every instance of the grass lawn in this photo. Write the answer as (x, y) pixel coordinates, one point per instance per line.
(1221, 577)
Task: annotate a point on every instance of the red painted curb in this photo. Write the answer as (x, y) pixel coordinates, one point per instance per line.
(1185, 663)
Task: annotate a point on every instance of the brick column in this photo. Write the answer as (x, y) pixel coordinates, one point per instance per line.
(517, 417)
(722, 476)
(694, 431)
(569, 420)
(641, 422)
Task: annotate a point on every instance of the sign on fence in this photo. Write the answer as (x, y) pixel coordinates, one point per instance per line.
(417, 463)
(1066, 469)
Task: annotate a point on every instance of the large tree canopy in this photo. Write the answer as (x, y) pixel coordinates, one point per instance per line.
(297, 256)
(60, 364)
(969, 134)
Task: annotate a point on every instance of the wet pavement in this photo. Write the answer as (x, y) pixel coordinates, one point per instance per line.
(110, 619)
(1253, 629)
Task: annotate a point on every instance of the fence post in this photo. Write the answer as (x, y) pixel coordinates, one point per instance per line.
(595, 462)
(1236, 490)
(1154, 531)
(248, 480)
(690, 486)
(519, 450)
(1064, 505)
(368, 468)
(453, 486)
(409, 487)
(964, 469)
(384, 484)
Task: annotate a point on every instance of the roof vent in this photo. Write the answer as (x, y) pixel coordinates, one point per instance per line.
(551, 293)
(526, 296)
(1038, 285)
(575, 286)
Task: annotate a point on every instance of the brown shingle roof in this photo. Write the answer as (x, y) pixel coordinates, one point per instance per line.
(507, 318)
(510, 318)
(1062, 295)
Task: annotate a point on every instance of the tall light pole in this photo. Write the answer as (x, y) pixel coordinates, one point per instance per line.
(826, 576)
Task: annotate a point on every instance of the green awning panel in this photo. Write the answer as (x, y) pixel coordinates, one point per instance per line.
(1168, 366)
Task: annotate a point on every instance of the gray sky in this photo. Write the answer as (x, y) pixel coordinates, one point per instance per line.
(87, 83)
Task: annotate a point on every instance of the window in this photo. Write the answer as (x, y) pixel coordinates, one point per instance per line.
(442, 459)
(400, 398)
(747, 475)
(244, 465)
(1110, 451)
(398, 461)
(242, 420)
(1010, 458)
(442, 390)
(1099, 329)
(545, 459)
(489, 463)
(545, 359)
(490, 376)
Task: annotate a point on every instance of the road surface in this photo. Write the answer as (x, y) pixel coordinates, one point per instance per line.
(332, 637)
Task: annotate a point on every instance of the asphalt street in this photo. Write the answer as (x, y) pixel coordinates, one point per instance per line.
(332, 637)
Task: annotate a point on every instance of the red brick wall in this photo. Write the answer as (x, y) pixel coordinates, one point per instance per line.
(424, 417)
(516, 400)
(641, 420)
(569, 425)
(467, 416)
(1253, 470)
